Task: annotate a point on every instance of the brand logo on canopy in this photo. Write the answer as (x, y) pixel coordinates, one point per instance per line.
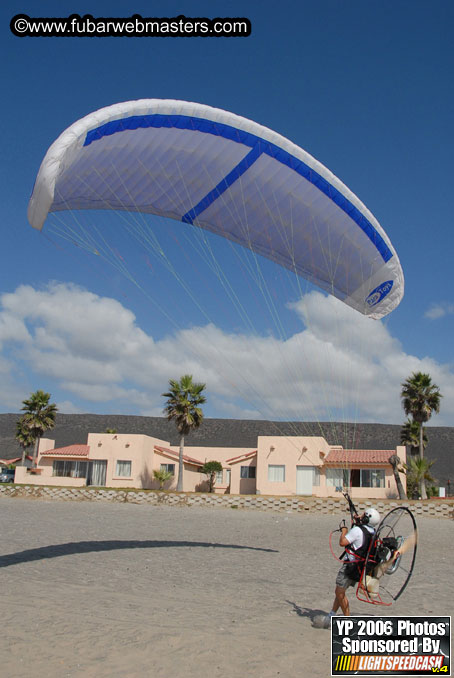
(379, 293)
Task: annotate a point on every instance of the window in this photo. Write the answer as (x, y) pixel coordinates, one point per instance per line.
(123, 469)
(170, 468)
(364, 477)
(337, 477)
(372, 477)
(276, 474)
(69, 469)
(219, 477)
(247, 472)
(58, 468)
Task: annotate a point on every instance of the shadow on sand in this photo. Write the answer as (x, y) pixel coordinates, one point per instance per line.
(73, 548)
(317, 617)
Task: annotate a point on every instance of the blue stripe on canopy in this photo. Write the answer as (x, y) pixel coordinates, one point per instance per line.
(259, 146)
(223, 185)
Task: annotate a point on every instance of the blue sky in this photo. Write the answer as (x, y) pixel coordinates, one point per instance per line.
(366, 88)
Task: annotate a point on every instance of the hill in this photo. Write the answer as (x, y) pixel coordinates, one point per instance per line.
(74, 428)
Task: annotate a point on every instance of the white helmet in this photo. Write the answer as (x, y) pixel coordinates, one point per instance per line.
(372, 517)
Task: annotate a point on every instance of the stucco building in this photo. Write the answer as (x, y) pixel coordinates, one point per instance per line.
(278, 465)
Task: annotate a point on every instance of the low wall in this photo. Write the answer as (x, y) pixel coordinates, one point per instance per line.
(438, 508)
(43, 475)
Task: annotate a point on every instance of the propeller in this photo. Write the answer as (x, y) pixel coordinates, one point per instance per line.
(372, 583)
(409, 542)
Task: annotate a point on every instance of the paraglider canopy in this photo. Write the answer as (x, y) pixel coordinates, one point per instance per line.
(215, 170)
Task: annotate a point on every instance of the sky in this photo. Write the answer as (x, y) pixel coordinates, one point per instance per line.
(366, 88)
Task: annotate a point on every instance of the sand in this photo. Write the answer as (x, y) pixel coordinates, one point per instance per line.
(123, 590)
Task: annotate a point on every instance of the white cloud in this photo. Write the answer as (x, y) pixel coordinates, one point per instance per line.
(13, 386)
(12, 328)
(437, 311)
(67, 407)
(339, 365)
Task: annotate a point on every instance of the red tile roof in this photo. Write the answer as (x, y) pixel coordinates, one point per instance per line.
(175, 455)
(241, 457)
(69, 451)
(14, 460)
(359, 456)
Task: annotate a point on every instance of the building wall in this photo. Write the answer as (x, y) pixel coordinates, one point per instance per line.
(241, 485)
(44, 474)
(289, 452)
(193, 481)
(293, 452)
(136, 449)
(139, 450)
(387, 492)
(45, 477)
(221, 454)
(45, 444)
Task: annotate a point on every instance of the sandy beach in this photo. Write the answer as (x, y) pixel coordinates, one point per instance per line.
(122, 590)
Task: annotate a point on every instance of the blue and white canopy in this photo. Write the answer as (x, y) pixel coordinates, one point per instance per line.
(221, 172)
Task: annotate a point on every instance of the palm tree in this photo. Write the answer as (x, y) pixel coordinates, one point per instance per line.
(24, 437)
(409, 435)
(39, 417)
(183, 400)
(395, 462)
(161, 476)
(418, 471)
(420, 398)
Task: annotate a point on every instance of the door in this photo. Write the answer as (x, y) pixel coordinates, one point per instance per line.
(304, 480)
(97, 472)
